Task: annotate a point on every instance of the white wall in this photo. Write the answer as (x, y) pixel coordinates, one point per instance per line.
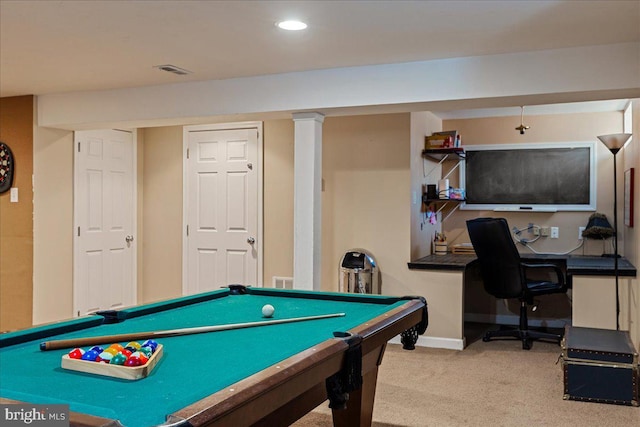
(560, 75)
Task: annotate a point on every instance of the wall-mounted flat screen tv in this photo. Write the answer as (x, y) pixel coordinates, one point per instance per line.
(530, 177)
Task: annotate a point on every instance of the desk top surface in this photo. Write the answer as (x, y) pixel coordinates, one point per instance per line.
(575, 264)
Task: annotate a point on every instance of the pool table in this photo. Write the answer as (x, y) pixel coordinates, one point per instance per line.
(268, 375)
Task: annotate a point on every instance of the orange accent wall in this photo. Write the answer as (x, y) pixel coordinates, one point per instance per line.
(16, 219)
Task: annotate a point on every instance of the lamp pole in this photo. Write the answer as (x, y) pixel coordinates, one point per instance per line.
(615, 236)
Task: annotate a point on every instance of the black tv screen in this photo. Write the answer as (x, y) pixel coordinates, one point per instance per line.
(530, 177)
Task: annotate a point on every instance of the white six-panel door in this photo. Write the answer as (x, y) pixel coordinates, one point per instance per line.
(104, 266)
(222, 240)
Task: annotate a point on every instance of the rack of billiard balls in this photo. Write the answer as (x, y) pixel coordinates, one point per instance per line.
(130, 361)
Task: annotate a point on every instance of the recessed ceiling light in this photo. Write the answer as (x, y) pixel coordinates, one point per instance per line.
(292, 25)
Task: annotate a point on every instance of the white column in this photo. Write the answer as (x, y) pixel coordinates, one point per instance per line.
(307, 202)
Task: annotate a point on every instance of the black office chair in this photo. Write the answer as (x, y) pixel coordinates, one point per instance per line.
(505, 276)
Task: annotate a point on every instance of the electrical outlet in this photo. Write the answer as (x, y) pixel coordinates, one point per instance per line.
(536, 230)
(544, 231)
(555, 232)
(580, 230)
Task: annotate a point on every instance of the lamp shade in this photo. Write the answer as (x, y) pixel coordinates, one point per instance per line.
(615, 141)
(598, 227)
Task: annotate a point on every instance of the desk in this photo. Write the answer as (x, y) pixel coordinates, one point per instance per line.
(269, 375)
(592, 279)
(575, 264)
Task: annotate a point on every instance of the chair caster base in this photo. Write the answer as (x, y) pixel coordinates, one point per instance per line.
(526, 336)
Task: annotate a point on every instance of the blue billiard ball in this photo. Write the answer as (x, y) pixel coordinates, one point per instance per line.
(90, 355)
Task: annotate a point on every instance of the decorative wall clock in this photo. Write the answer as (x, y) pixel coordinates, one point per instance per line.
(7, 167)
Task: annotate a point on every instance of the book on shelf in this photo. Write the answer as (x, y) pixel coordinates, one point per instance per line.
(463, 248)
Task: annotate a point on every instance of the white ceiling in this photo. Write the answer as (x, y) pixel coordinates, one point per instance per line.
(71, 45)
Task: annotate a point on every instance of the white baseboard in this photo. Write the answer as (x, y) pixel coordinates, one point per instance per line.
(513, 320)
(435, 342)
(500, 319)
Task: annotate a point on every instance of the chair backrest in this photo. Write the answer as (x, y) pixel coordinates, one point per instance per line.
(502, 273)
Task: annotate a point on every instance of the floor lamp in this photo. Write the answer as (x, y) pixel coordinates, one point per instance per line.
(614, 143)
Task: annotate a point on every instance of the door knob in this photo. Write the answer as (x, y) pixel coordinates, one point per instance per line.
(251, 240)
(128, 239)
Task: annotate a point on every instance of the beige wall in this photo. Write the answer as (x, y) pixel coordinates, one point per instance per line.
(365, 202)
(556, 128)
(369, 168)
(162, 206)
(278, 199)
(53, 225)
(422, 174)
(162, 214)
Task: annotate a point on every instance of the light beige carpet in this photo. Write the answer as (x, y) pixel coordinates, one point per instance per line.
(488, 384)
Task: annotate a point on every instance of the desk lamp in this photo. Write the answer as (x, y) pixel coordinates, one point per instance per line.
(599, 227)
(614, 143)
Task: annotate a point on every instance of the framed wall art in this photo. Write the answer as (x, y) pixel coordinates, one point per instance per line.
(628, 197)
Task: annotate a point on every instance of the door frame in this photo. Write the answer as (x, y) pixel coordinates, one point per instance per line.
(76, 215)
(185, 202)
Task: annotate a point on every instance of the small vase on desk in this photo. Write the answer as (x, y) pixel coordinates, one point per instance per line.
(440, 248)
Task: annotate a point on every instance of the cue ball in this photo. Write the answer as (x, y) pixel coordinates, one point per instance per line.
(267, 310)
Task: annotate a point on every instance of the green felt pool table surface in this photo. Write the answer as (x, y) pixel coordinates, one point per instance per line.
(193, 367)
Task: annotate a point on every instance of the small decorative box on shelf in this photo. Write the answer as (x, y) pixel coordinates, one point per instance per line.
(110, 370)
(445, 139)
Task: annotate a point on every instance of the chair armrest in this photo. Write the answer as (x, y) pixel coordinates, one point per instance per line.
(559, 275)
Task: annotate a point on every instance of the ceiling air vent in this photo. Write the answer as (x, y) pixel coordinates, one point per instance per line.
(173, 69)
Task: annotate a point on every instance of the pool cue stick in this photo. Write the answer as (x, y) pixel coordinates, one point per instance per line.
(135, 336)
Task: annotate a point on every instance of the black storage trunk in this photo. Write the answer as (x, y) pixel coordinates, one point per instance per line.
(600, 365)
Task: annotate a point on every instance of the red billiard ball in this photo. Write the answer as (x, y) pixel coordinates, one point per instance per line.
(140, 355)
(133, 361)
(76, 353)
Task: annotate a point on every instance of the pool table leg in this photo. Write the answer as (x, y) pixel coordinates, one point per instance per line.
(359, 410)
